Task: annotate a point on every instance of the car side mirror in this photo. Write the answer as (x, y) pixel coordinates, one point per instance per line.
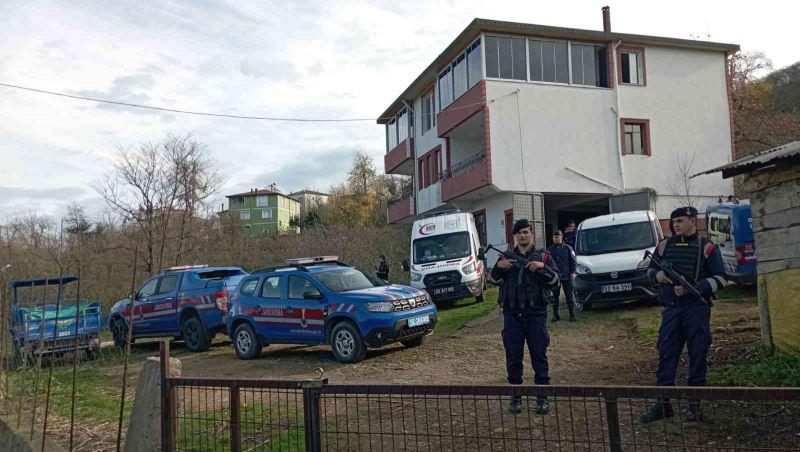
(406, 266)
(481, 254)
(312, 295)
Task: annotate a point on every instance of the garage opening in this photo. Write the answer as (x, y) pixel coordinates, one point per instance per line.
(561, 208)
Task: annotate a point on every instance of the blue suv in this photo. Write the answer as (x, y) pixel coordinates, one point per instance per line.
(323, 301)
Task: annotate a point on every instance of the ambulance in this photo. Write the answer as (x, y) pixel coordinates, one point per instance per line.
(444, 257)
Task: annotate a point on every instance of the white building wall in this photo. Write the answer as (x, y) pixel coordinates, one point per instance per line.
(428, 198)
(540, 129)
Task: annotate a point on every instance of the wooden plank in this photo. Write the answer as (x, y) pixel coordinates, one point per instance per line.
(763, 307)
(776, 199)
(759, 180)
(774, 253)
(783, 236)
(773, 266)
(778, 220)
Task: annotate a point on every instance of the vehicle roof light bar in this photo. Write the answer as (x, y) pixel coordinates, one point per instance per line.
(312, 260)
(184, 267)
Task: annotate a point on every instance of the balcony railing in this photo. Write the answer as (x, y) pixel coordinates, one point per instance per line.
(463, 166)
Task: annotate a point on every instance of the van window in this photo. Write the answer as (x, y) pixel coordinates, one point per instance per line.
(615, 239)
(442, 247)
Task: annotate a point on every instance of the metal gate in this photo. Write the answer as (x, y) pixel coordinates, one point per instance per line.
(628, 202)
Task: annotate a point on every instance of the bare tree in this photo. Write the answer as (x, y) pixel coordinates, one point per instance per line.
(680, 184)
(156, 183)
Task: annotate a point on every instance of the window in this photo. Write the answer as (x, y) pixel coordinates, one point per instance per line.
(271, 287)
(402, 125)
(615, 239)
(635, 136)
(249, 286)
(441, 247)
(262, 201)
(589, 64)
(244, 215)
(298, 286)
(505, 58)
(460, 76)
(474, 68)
(445, 88)
(168, 284)
(548, 61)
(428, 112)
(266, 214)
(149, 288)
(391, 134)
(421, 172)
(631, 67)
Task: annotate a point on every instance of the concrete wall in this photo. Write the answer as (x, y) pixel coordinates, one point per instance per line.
(781, 289)
(429, 198)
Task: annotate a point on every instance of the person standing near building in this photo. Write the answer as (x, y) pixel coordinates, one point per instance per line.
(383, 269)
(686, 318)
(570, 234)
(564, 257)
(524, 306)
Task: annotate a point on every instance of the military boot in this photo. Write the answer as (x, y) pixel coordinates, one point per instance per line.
(693, 411)
(516, 405)
(660, 410)
(542, 405)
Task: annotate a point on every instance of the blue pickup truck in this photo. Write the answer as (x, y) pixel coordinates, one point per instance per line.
(59, 321)
(187, 302)
(323, 301)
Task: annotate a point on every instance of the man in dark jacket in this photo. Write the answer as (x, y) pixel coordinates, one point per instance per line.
(383, 269)
(524, 304)
(686, 318)
(564, 257)
(570, 234)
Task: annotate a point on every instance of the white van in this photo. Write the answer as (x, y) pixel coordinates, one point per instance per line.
(610, 251)
(444, 257)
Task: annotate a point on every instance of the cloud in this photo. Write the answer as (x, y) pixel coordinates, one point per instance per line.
(275, 70)
(317, 170)
(59, 193)
(125, 88)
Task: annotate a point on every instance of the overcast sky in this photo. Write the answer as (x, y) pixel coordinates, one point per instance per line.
(268, 58)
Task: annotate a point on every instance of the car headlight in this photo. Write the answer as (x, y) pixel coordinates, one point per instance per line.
(468, 269)
(643, 264)
(380, 306)
(416, 276)
(582, 269)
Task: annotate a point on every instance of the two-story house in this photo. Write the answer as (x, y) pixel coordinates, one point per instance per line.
(310, 199)
(518, 120)
(264, 211)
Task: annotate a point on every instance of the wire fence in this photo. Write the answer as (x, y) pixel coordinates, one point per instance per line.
(281, 415)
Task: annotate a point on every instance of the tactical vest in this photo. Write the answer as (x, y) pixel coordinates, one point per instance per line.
(529, 296)
(685, 255)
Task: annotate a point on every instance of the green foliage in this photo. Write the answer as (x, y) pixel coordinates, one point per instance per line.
(760, 367)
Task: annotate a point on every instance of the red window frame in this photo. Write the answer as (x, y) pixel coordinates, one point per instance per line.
(480, 225)
(645, 125)
(631, 49)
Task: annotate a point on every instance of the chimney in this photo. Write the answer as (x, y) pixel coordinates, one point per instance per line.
(607, 19)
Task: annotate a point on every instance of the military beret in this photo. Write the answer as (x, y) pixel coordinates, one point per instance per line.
(683, 212)
(521, 224)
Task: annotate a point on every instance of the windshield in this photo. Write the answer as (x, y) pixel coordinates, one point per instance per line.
(615, 239)
(345, 279)
(441, 247)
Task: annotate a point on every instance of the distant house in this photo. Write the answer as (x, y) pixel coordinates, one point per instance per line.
(309, 199)
(264, 211)
(772, 183)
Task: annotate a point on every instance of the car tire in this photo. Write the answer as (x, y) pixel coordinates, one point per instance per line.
(245, 342)
(195, 336)
(413, 343)
(119, 332)
(347, 344)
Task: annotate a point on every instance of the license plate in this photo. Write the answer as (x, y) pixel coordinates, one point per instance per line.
(442, 290)
(616, 288)
(418, 321)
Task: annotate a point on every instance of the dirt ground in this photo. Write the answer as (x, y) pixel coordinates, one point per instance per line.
(614, 345)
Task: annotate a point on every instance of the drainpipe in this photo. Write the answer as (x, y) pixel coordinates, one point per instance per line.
(615, 109)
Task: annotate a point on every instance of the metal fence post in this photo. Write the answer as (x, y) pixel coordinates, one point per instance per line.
(612, 415)
(236, 415)
(312, 390)
(168, 416)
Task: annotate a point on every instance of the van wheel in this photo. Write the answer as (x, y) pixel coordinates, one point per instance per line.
(346, 343)
(195, 335)
(245, 342)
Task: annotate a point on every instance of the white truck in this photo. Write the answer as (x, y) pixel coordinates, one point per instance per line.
(444, 257)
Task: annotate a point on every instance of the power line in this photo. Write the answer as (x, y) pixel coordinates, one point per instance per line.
(201, 113)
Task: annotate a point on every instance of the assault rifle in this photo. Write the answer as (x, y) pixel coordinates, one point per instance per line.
(676, 276)
(519, 262)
